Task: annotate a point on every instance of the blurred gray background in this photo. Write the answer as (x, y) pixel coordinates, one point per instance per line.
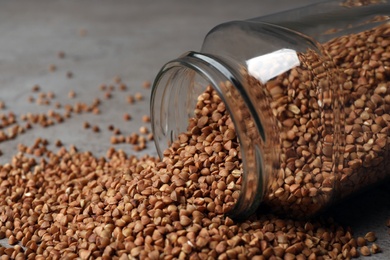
(131, 39)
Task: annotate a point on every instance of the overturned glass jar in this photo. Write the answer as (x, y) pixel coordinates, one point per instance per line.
(308, 91)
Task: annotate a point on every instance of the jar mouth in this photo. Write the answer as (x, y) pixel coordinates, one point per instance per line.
(178, 84)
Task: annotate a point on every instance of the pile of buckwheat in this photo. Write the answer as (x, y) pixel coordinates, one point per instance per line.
(68, 204)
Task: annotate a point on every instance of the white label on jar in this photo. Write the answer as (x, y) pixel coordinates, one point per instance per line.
(268, 66)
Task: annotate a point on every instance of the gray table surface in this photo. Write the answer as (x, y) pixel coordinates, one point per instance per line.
(132, 39)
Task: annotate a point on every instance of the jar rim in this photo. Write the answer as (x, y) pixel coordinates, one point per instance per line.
(213, 70)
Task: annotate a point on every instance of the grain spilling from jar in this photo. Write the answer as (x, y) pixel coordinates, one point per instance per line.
(68, 203)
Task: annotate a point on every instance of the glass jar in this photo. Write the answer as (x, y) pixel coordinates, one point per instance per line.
(308, 91)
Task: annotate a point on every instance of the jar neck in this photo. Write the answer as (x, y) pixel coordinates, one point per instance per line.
(173, 100)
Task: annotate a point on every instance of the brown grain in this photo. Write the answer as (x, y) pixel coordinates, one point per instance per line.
(72, 94)
(126, 117)
(70, 204)
(52, 67)
(61, 54)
